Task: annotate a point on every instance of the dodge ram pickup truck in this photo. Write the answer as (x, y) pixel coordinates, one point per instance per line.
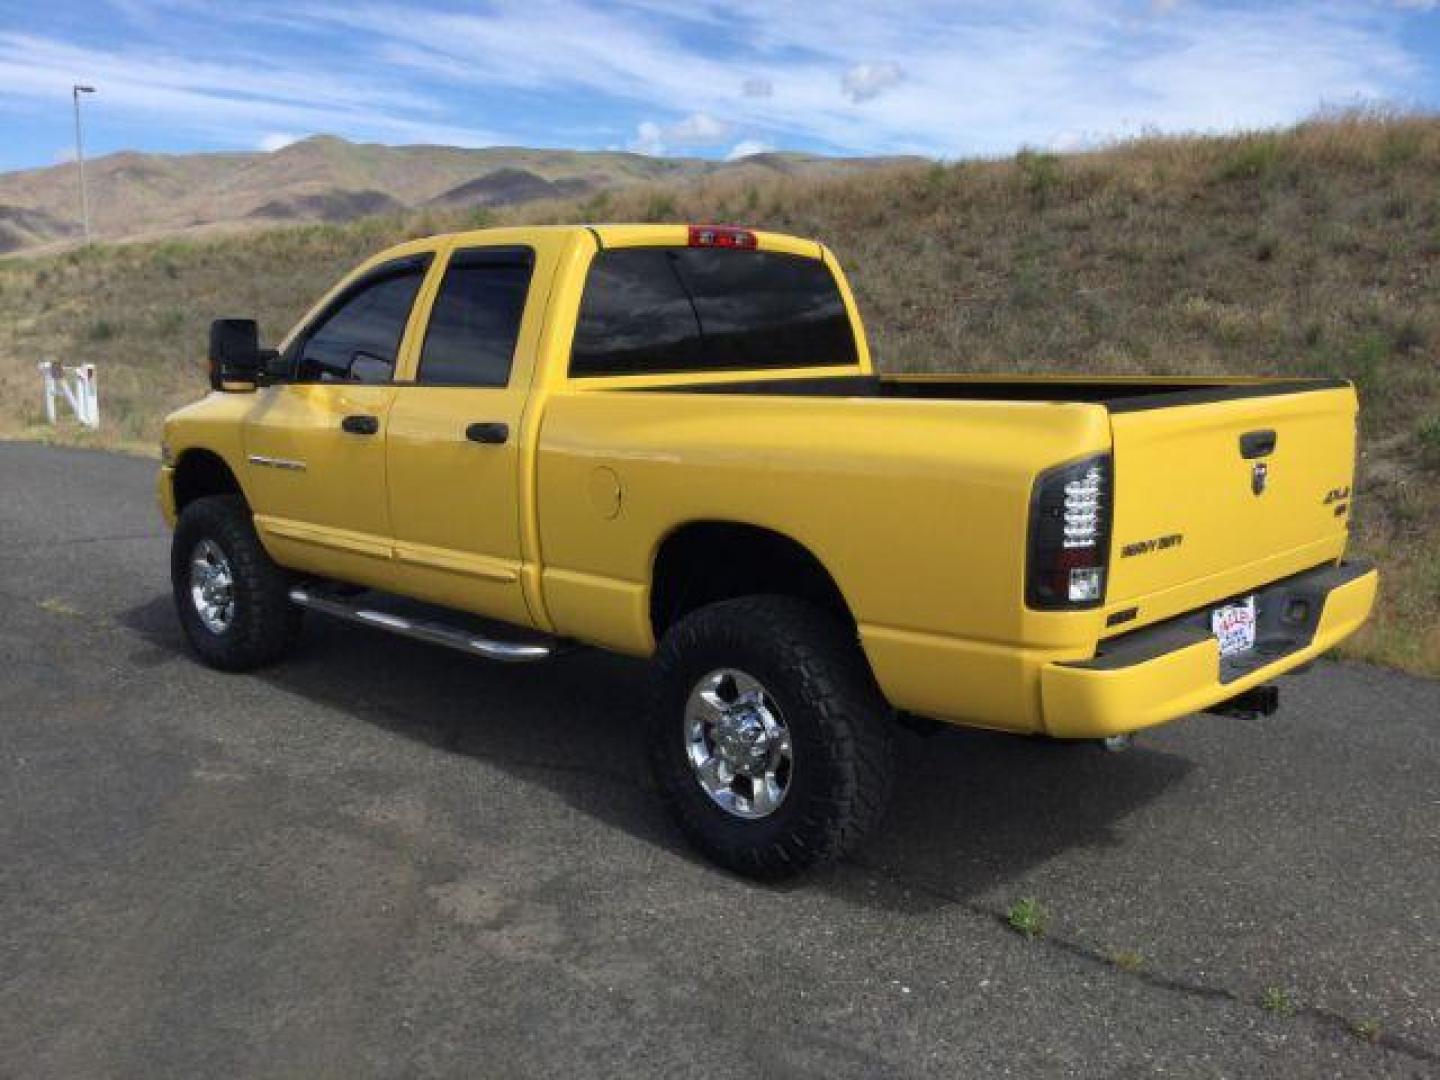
(670, 441)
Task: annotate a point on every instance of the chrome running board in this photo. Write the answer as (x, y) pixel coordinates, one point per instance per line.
(436, 633)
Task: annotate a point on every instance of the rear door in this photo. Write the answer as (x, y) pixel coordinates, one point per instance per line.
(1204, 489)
(315, 445)
(455, 447)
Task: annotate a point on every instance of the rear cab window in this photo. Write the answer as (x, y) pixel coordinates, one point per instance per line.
(657, 310)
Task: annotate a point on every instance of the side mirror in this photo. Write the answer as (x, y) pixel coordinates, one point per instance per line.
(235, 355)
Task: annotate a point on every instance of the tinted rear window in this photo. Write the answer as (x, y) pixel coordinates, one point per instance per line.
(649, 310)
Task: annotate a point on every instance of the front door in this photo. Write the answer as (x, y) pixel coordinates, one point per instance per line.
(315, 445)
(454, 448)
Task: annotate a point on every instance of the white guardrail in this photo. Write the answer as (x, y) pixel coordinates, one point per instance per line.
(77, 386)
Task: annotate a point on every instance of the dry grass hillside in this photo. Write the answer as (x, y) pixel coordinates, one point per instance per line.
(1310, 251)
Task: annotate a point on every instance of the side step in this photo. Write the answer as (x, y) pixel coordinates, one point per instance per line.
(437, 633)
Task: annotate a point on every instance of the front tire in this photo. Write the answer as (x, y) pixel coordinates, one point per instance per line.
(232, 599)
(769, 739)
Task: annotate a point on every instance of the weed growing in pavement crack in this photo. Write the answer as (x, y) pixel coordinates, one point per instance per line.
(1127, 960)
(1278, 1001)
(1366, 1030)
(1027, 917)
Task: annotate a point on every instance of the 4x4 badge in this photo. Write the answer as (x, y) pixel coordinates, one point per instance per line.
(1259, 477)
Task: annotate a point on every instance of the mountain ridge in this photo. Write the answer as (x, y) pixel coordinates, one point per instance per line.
(138, 195)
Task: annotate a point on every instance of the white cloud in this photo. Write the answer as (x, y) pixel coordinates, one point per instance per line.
(277, 140)
(648, 138)
(696, 130)
(755, 87)
(865, 81)
(746, 147)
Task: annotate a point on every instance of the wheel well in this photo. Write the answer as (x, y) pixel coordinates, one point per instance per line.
(703, 562)
(199, 473)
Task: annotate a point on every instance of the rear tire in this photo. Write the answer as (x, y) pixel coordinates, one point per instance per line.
(232, 599)
(775, 680)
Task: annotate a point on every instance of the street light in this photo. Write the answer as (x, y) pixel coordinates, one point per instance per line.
(75, 92)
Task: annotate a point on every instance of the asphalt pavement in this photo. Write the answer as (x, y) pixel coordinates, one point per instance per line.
(386, 859)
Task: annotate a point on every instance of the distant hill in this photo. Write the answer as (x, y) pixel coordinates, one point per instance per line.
(327, 206)
(325, 178)
(508, 187)
(23, 228)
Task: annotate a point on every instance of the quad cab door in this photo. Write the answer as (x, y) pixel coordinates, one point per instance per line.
(457, 450)
(315, 444)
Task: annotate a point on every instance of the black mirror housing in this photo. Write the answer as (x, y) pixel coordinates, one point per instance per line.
(235, 355)
(274, 366)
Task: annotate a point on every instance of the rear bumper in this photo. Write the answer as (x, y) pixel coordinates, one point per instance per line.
(1174, 668)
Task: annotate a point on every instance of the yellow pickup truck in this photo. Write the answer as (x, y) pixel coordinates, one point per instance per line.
(671, 441)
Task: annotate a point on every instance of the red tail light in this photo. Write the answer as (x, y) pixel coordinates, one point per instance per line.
(722, 236)
(1070, 535)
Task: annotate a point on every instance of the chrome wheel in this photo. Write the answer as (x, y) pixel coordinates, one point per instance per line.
(212, 586)
(737, 744)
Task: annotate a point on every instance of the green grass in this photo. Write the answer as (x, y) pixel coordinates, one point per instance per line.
(1027, 918)
(1253, 158)
(1275, 999)
(1311, 251)
(99, 330)
(1366, 1030)
(1040, 175)
(1128, 960)
(1427, 437)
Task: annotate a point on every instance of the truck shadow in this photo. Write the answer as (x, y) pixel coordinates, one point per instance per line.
(972, 810)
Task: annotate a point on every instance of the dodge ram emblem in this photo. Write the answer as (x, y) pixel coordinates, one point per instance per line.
(1259, 477)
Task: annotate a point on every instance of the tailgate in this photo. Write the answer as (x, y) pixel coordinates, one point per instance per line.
(1198, 493)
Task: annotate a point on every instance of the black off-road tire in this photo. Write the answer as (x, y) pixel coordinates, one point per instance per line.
(840, 724)
(264, 624)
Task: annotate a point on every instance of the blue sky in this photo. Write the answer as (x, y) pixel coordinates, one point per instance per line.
(714, 78)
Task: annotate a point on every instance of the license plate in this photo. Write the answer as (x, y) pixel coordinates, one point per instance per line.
(1234, 626)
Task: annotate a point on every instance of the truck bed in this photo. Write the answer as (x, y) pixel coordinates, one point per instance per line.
(1214, 486)
(1117, 395)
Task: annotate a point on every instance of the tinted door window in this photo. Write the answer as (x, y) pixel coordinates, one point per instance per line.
(476, 318)
(358, 339)
(701, 309)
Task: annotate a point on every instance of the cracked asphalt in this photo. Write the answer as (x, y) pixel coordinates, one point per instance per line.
(386, 859)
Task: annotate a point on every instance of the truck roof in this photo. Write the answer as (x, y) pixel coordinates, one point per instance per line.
(616, 234)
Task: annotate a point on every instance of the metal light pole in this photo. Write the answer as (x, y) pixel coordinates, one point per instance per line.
(75, 92)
